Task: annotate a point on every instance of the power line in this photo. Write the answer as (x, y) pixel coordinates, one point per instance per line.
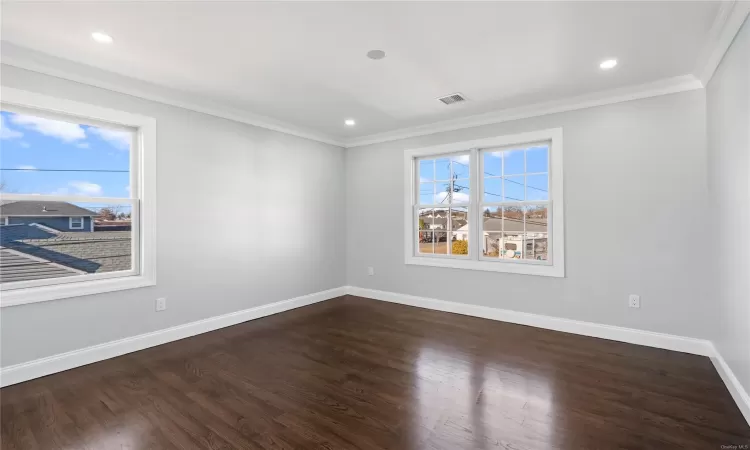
(516, 182)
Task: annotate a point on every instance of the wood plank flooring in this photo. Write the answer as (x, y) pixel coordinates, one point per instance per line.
(352, 373)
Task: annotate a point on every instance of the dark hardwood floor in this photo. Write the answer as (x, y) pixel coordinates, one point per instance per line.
(352, 373)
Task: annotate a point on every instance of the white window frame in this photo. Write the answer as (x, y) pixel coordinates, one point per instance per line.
(554, 267)
(70, 223)
(142, 200)
(4, 220)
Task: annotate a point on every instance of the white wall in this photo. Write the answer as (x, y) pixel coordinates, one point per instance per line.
(246, 216)
(635, 209)
(728, 103)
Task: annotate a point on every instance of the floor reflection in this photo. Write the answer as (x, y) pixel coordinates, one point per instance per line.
(469, 403)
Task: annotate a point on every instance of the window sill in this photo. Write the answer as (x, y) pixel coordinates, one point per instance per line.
(545, 270)
(14, 297)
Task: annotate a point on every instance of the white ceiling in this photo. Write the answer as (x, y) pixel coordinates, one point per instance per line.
(305, 64)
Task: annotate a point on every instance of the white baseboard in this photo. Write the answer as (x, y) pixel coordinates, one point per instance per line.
(629, 335)
(739, 394)
(64, 361)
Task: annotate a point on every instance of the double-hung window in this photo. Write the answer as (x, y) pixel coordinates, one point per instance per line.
(492, 204)
(76, 223)
(77, 198)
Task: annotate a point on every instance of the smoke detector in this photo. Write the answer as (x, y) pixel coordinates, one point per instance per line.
(453, 98)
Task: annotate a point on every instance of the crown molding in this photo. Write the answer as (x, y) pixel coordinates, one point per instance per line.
(24, 58)
(728, 22)
(654, 89)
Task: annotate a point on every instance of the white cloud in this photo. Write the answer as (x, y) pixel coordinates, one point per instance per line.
(65, 131)
(83, 188)
(26, 168)
(7, 132)
(458, 197)
(462, 159)
(83, 145)
(24, 144)
(86, 188)
(120, 139)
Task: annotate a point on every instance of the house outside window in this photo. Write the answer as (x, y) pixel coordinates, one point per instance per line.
(76, 223)
(492, 204)
(69, 172)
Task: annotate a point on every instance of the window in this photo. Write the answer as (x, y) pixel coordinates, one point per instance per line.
(77, 196)
(443, 205)
(76, 223)
(492, 204)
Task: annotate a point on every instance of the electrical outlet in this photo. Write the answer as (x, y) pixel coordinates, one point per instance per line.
(634, 301)
(371, 271)
(161, 304)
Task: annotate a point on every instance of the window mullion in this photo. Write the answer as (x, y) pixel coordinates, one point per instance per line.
(477, 186)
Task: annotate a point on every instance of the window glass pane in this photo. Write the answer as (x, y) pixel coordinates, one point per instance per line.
(514, 189)
(460, 243)
(461, 191)
(492, 225)
(440, 219)
(493, 190)
(441, 242)
(513, 162)
(426, 170)
(493, 164)
(443, 169)
(54, 157)
(39, 243)
(425, 219)
(513, 219)
(536, 216)
(511, 245)
(536, 224)
(491, 244)
(425, 242)
(536, 159)
(426, 193)
(443, 193)
(537, 187)
(460, 166)
(535, 246)
(460, 219)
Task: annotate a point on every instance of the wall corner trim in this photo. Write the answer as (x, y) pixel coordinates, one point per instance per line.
(729, 19)
(739, 394)
(81, 357)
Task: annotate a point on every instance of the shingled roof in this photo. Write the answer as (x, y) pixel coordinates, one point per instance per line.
(30, 252)
(31, 208)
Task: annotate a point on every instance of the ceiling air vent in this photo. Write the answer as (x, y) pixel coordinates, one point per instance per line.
(453, 98)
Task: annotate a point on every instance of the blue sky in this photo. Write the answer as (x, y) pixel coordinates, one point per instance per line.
(29, 142)
(509, 175)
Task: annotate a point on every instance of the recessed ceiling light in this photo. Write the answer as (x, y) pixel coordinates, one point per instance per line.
(376, 54)
(608, 64)
(101, 38)
(350, 122)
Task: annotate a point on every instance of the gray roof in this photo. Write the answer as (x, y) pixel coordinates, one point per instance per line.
(17, 266)
(495, 224)
(514, 225)
(81, 252)
(35, 208)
